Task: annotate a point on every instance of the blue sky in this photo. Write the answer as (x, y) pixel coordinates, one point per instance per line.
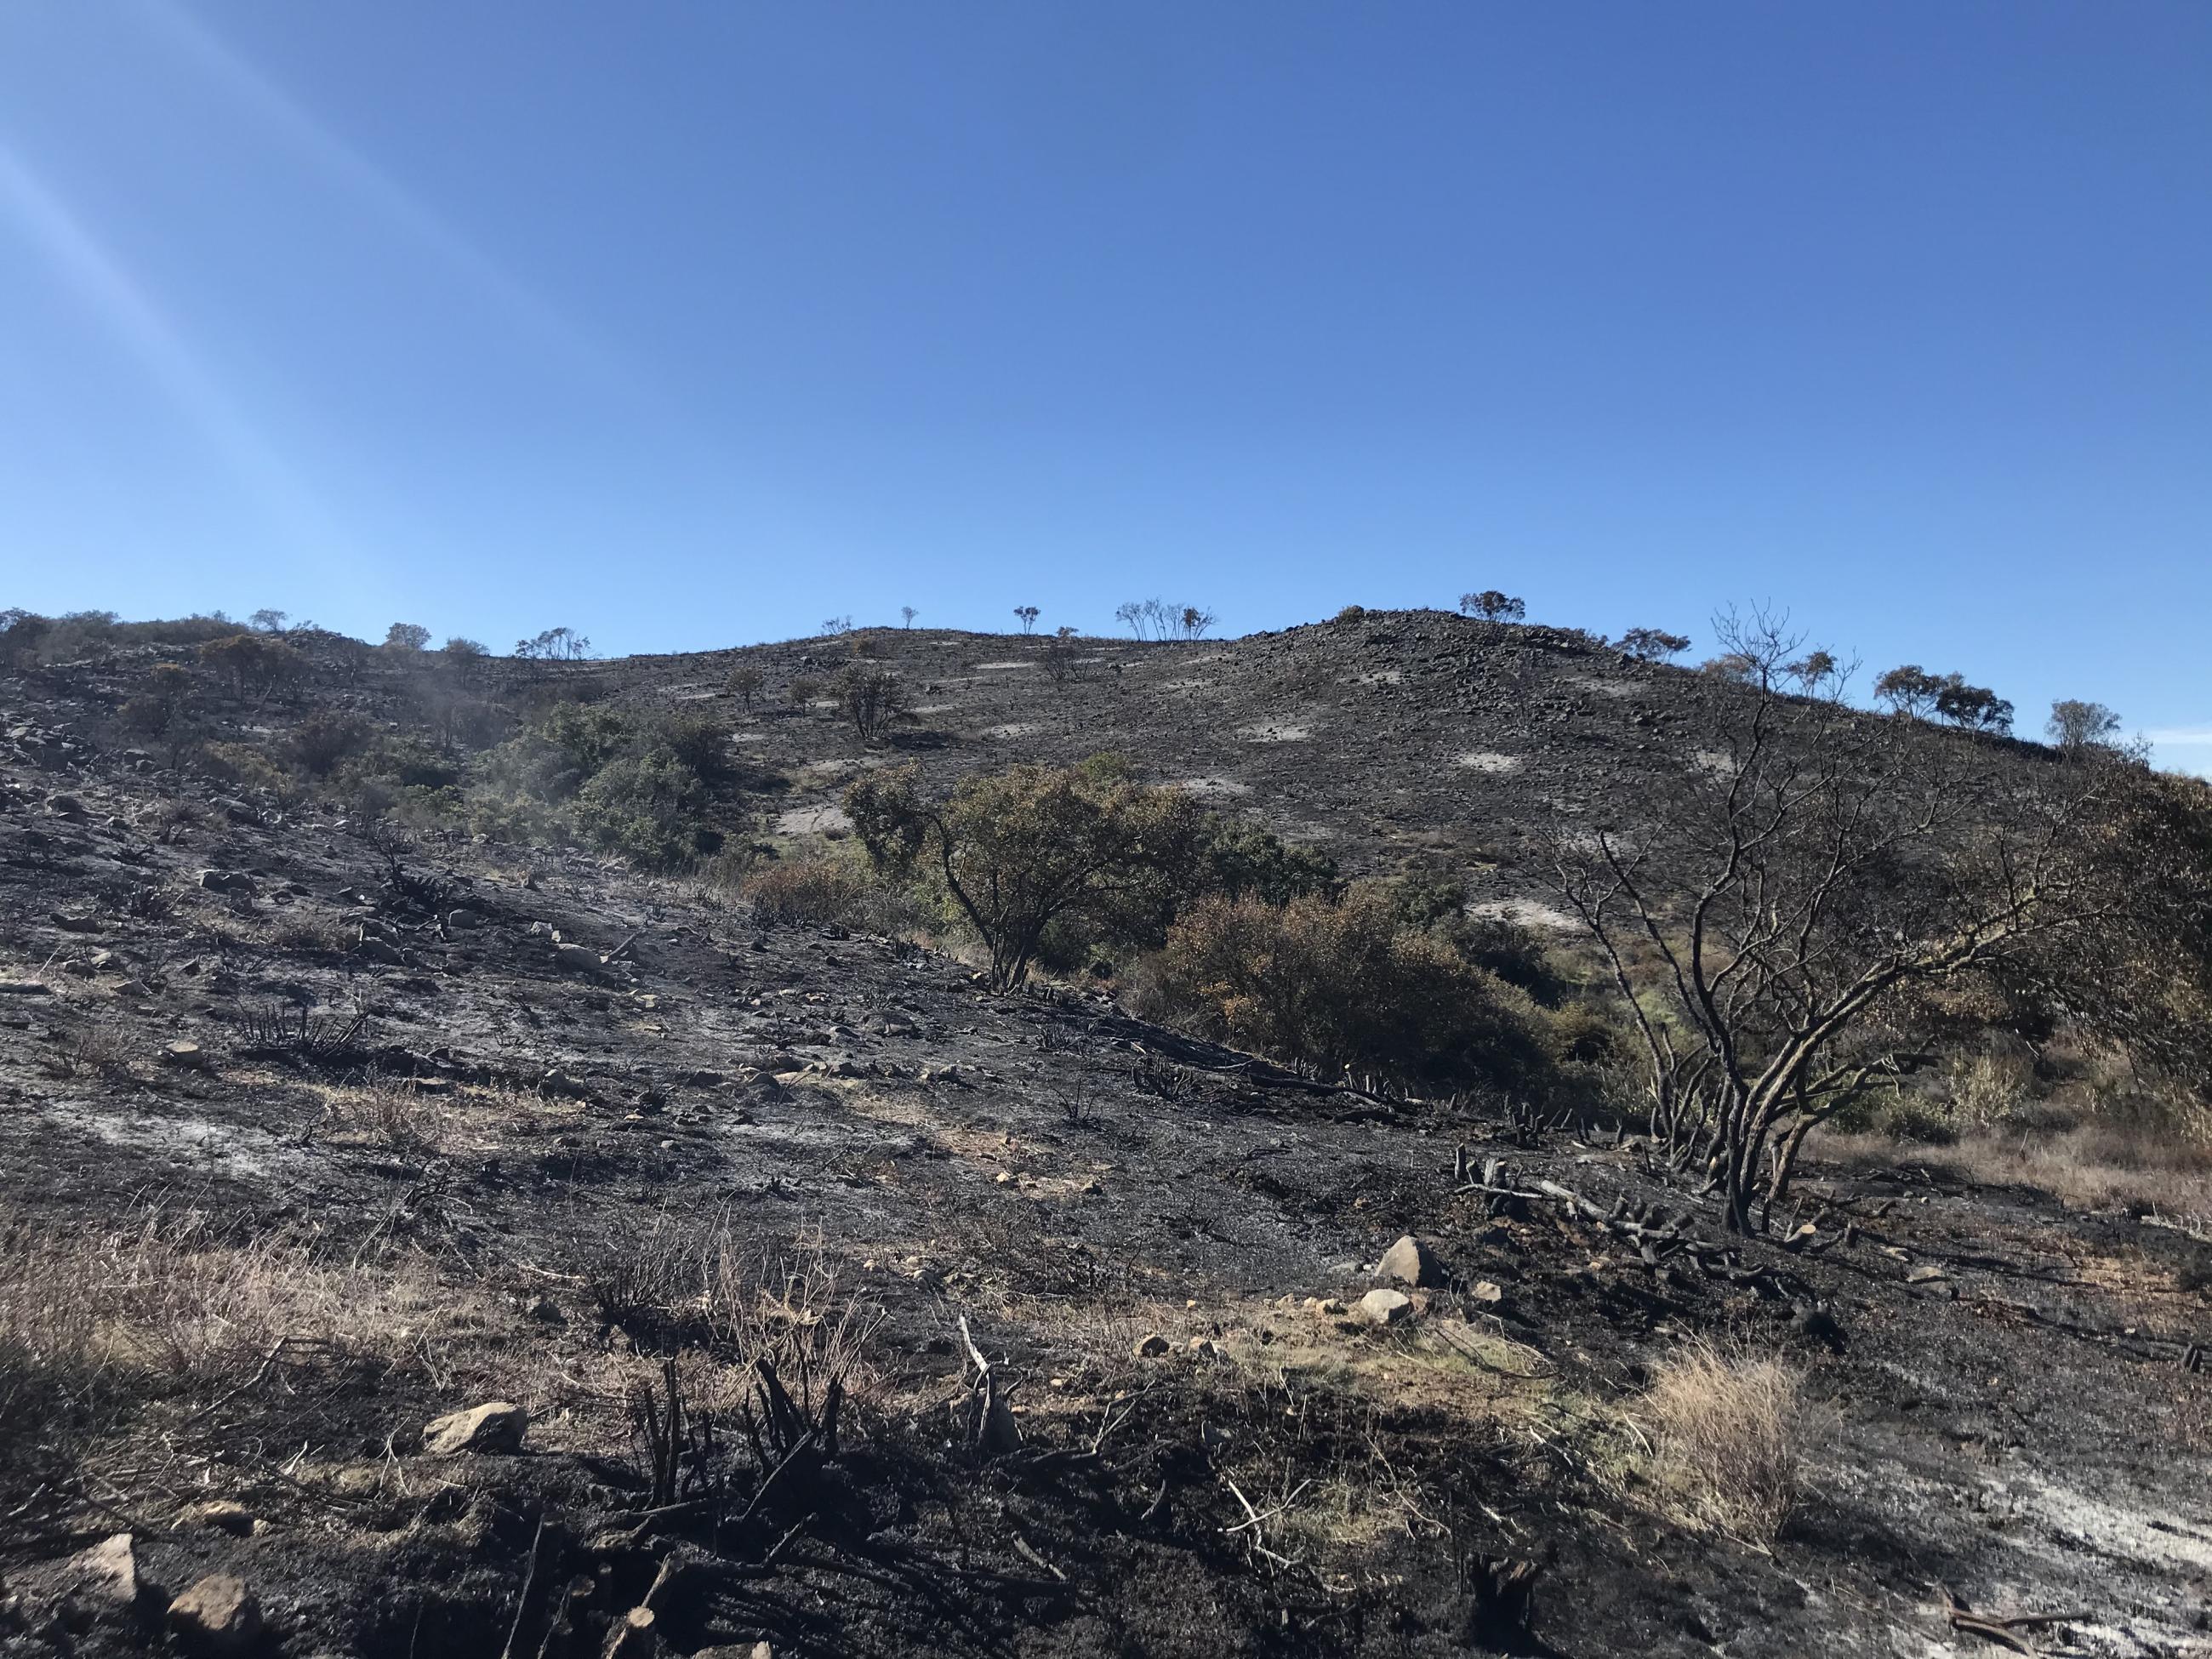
(689, 324)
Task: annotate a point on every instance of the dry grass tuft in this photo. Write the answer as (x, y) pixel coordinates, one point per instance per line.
(688, 1283)
(1730, 1429)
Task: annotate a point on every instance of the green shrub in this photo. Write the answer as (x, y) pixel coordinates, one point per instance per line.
(1345, 988)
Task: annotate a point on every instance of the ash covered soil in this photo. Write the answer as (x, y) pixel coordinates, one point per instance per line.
(376, 1185)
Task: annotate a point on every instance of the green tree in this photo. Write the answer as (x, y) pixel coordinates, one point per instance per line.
(1021, 850)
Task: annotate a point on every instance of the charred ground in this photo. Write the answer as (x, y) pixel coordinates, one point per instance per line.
(606, 1121)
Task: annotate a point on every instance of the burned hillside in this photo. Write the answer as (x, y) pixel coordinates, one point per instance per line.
(468, 1192)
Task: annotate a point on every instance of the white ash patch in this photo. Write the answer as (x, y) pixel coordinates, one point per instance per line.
(1483, 760)
(812, 821)
(1010, 729)
(1379, 677)
(1603, 686)
(1526, 913)
(1274, 731)
(1213, 786)
(1000, 667)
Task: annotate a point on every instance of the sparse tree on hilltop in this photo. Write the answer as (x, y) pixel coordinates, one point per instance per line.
(1972, 707)
(1910, 689)
(268, 622)
(1812, 671)
(1491, 605)
(1027, 615)
(907, 614)
(1653, 644)
(554, 645)
(2077, 727)
(1193, 622)
(406, 638)
(834, 626)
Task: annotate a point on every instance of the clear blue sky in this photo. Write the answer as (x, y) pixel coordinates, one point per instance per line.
(688, 323)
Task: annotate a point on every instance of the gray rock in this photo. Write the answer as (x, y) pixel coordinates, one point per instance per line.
(108, 1570)
(375, 950)
(496, 1426)
(576, 959)
(226, 881)
(460, 920)
(1409, 1262)
(1386, 1306)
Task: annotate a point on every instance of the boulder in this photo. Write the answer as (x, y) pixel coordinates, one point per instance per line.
(185, 1055)
(225, 881)
(1154, 1346)
(576, 959)
(496, 1426)
(463, 919)
(1411, 1263)
(218, 1615)
(375, 950)
(1386, 1306)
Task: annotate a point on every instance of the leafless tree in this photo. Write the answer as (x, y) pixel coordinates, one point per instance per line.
(1027, 616)
(1060, 660)
(872, 699)
(1789, 924)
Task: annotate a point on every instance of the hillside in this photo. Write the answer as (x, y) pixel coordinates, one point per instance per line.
(310, 1141)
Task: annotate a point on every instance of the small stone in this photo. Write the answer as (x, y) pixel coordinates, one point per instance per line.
(1154, 1346)
(225, 881)
(221, 1513)
(1325, 1307)
(185, 1055)
(1925, 1276)
(66, 806)
(463, 919)
(1386, 1306)
(576, 959)
(494, 1427)
(1005, 1177)
(375, 950)
(1488, 1290)
(1409, 1262)
(217, 1616)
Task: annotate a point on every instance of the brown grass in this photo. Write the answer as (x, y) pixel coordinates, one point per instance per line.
(1730, 1430)
(2085, 1165)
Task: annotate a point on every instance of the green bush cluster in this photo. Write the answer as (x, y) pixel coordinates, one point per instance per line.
(647, 790)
